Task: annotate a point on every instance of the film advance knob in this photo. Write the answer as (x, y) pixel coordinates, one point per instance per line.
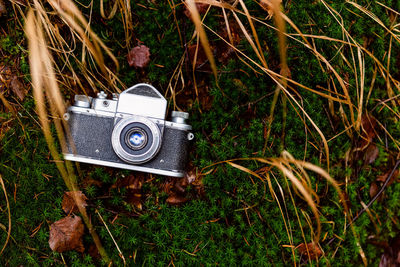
(179, 116)
(82, 101)
(102, 95)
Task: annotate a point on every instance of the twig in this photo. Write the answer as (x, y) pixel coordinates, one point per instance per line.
(9, 215)
(372, 200)
(120, 252)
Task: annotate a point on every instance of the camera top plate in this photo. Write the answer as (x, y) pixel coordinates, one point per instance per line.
(143, 100)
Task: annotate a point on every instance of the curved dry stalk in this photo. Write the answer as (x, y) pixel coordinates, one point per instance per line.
(191, 6)
(9, 216)
(112, 238)
(113, 10)
(45, 86)
(80, 32)
(286, 222)
(126, 14)
(350, 42)
(283, 164)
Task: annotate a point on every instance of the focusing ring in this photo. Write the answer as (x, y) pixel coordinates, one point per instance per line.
(135, 158)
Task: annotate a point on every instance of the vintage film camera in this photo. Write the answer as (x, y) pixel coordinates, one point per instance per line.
(128, 131)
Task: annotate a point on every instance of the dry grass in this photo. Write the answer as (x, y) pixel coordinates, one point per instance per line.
(295, 172)
(49, 101)
(9, 215)
(45, 43)
(352, 120)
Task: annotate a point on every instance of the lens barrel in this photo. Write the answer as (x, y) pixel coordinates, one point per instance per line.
(136, 139)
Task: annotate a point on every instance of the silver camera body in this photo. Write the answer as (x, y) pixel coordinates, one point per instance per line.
(128, 131)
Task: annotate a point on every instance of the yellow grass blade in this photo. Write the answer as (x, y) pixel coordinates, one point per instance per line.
(202, 34)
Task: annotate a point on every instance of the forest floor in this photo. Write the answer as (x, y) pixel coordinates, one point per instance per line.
(274, 119)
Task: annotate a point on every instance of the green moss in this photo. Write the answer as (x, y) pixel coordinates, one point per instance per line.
(236, 222)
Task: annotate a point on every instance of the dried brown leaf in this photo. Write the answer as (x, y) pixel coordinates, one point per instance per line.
(176, 199)
(9, 80)
(5, 126)
(371, 154)
(18, 88)
(66, 234)
(5, 76)
(310, 249)
(68, 204)
(93, 252)
(368, 124)
(224, 51)
(373, 190)
(139, 56)
(90, 182)
(382, 178)
(135, 199)
(200, 59)
(131, 182)
(201, 8)
(391, 255)
(190, 176)
(181, 184)
(196, 181)
(133, 185)
(3, 9)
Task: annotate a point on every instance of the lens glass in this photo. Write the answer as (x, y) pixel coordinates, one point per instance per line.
(136, 138)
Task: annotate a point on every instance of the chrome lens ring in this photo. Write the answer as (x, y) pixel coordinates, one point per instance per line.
(136, 158)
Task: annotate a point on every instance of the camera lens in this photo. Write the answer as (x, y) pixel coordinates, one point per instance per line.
(136, 138)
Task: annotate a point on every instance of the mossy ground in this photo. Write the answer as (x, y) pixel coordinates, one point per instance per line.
(218, 228)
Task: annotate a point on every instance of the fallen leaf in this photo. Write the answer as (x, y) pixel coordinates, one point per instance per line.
(190, 176)
(373, 190)
(364, 149)
(382, 178)
(5, 76)
(181, 184)
(371, 154)
(139, 56)
(5, 126)
(3, 9)
(135, 200)
(200, 59)
(9, 80)
(18, 88)
(68, 204)
(133, 185)
(201, 8)
(197, 183)
(225, 51)
(368, 124)
(66, 234)
(310, 249)
(94, 252)
(391, 255)
(133, 181)
(176, 190)
(176, 199)
(89, 182)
